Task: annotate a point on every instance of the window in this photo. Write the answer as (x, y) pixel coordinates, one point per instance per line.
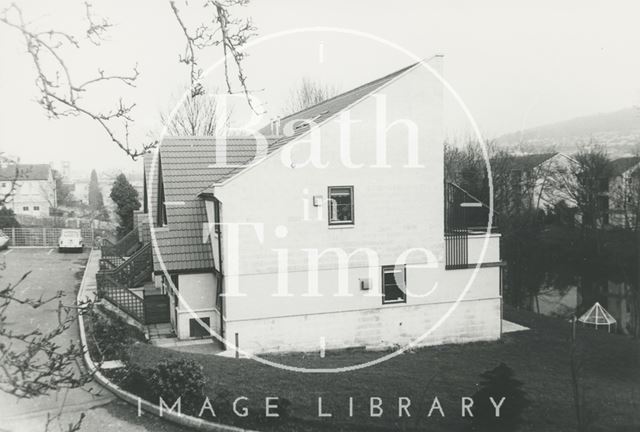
(25, 208)
(36, 208)
(197, 330)
(341, 205)
(394, 281)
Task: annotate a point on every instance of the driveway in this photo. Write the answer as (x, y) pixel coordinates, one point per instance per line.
(52, 272)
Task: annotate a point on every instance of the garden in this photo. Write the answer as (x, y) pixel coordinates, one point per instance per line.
(422, 389)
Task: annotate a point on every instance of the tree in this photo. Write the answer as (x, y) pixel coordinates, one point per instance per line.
(62, 94)
(125, 196)
(307, 94)
(8, 218)
(499, 383)
(96, 202)
(588, 183)
(196, 116)
(64, 195)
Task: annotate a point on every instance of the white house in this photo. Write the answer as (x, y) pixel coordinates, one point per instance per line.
(32, 188)
(325, 229)
(541, 179)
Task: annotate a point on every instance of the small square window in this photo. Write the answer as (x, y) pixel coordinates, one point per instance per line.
(394, 281)
(25, 208)
(36, 208)
(341, 205)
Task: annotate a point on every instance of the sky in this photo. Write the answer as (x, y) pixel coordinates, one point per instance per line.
(515, 65)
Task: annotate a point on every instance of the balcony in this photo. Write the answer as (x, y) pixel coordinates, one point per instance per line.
(467, 229)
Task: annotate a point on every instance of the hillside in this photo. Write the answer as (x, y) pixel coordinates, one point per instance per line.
(618, 130)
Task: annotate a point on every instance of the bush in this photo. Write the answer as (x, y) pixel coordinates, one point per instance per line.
(111, 336)
(169, 380)
(8, 218)
(498, 383)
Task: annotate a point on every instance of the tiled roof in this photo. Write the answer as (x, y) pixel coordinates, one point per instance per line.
(25, 172)
(189, 166)
(619, 166)
(243, 150)
(183, 174)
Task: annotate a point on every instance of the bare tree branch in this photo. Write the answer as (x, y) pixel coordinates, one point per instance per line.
(197, 116)
(309, 93)
(60, 95)
(222, 31)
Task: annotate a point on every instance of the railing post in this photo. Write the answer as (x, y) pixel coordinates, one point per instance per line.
(44, 237)
(13, 236)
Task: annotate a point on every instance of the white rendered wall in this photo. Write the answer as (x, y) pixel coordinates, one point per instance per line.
(397, 209)
(198, 299)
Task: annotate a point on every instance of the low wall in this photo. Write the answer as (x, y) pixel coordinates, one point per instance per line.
(142, 405)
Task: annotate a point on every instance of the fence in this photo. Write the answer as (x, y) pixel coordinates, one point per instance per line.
(62, 222)
(43, 237)
(120, 296)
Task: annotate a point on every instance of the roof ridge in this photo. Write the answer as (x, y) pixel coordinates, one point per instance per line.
(214, 137)
(352, 90)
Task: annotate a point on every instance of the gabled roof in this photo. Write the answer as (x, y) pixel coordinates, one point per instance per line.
(530, 161)
(243, 150)
(190, 165)
(25, 172)
(621, 165)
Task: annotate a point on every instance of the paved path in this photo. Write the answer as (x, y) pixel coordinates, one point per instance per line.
(52, 272)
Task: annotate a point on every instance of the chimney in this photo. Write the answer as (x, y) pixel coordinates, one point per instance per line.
(277, 125)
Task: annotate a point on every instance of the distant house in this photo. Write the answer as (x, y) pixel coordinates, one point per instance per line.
(624, 192)
(429, 282)
(539, 180)
(34, 188)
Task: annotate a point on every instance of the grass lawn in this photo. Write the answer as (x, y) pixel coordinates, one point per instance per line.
(539, 357)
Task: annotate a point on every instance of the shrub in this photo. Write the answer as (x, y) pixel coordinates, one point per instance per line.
(111, 336)
(498, 383)
(169, 380)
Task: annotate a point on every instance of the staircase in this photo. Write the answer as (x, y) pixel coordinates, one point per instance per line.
(113, 253)
(129, 264)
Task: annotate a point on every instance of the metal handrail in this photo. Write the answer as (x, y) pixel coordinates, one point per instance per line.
(134, 270)
(122, 247)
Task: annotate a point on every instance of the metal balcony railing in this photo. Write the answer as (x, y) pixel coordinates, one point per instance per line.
(464, 214)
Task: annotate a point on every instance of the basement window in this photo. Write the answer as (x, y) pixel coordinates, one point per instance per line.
(198, 330)
(341, 205)
(394, 282)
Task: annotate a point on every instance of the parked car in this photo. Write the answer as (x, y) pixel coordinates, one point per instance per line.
(70, 240)
(4, 240)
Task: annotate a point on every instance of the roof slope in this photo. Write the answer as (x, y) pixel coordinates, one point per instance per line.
(530, 161)
(183, 170)
(619, 166)
(189, 165)
(243, 150)
(25, 172)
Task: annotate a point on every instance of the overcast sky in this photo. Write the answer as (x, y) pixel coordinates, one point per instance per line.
(515, 67)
